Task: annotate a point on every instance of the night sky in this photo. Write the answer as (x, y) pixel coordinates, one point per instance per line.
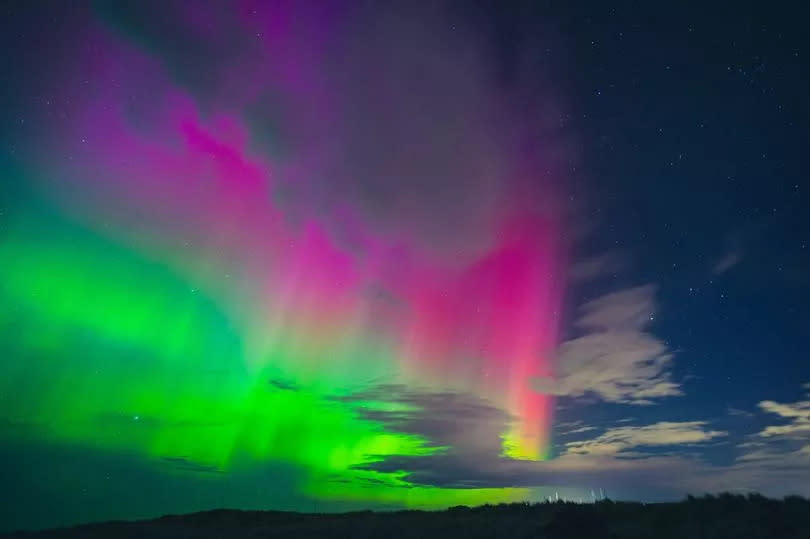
(323, 256)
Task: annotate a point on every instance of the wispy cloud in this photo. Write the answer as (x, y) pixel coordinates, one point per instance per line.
(187, 465)
(664, 433)
(581, 430)
(739, 413)
(616, 359)
(728, 261)
(283, 385)
(798, 413)
(596, 266)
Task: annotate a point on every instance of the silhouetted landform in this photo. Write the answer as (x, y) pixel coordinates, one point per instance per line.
(711, 517)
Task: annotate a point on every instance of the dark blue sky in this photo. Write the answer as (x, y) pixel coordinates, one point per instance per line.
(692, 124)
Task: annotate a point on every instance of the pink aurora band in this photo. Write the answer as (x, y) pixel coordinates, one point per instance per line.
(182, 178)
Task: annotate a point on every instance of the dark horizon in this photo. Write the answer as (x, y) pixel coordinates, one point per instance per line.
(709, 517)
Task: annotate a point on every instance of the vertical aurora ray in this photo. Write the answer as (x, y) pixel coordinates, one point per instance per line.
(159, 298)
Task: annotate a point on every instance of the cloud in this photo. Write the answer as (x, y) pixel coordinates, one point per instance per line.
(621, 457)
(738, 412)
(664, 433)
(470, 470)
(769, 468)
(283, 385)
(728, 261)
(773, 461)
(186, 465)
(569, 424)
(628, 309)
(797, 412)
(586, 463)
(467, 431)
(616, 360)
(596, 266)
(446, 419)
(771, 472)
(581, 430)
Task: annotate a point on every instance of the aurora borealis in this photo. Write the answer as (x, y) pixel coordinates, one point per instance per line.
(338, 255)
(162, 298)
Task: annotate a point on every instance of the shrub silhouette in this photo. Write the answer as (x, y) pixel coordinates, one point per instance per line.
(724, 516)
